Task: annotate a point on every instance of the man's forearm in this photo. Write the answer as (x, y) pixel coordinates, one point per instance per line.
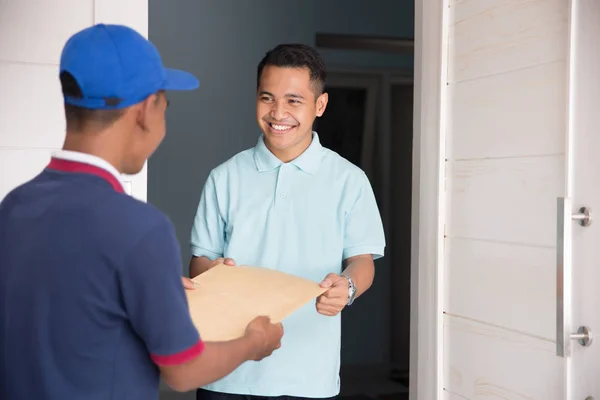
(362, 271)
(216, 361)
(199, 265)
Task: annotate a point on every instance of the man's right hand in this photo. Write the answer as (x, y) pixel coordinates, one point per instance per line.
(265, 336)
(219, 359)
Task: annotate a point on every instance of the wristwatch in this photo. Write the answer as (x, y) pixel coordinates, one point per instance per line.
(351, 289)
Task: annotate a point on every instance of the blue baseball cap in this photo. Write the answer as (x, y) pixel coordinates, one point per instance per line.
(115, 67)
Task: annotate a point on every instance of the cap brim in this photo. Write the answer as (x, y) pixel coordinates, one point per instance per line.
(179, 80)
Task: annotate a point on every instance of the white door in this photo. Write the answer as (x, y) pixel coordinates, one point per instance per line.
(32, 33)
(520, 115)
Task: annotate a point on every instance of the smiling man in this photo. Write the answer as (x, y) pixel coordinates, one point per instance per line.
(292, 205)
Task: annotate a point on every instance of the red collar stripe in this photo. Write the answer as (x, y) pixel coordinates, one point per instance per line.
(74, 166)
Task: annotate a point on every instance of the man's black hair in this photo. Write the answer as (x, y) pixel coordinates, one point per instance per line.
(296, 56)
(79, 118)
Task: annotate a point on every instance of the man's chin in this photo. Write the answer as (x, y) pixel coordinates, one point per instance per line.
(132, 169)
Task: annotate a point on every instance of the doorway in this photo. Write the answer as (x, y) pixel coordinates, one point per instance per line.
(371, 47)
(368, 121)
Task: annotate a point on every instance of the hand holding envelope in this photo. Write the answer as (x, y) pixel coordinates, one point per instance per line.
(227, 298)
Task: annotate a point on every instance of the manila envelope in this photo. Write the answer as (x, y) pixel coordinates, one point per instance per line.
(227, 298)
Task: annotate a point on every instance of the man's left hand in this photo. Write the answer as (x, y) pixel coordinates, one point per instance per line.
(335, 298)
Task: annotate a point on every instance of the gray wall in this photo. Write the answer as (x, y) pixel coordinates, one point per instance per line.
(221, 41)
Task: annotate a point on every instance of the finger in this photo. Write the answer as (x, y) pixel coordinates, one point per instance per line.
(328, 311)
(329, 280)
(326, 283)
(338, 292)
(337, 304)
(218, 261)
(324, 300)
(229, 261)
(328, 314)
(330, 300)
(187, 283)
(341, 282)
(332, 307)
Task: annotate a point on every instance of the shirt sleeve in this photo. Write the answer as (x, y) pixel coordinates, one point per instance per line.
(208, 230)
(155, 300)
(364, 230)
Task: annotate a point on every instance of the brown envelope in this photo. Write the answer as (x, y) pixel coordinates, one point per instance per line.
(227, 298)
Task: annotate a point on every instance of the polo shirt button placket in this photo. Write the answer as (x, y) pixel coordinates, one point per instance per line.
(282, 184)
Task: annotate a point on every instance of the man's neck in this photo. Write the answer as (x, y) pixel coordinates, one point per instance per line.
(89, 145)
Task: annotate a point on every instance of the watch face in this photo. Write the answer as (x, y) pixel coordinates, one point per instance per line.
(352, 288)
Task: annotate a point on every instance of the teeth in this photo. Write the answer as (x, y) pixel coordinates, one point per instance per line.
(281, 127)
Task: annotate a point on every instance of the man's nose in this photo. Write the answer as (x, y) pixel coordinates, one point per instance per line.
(278, 111)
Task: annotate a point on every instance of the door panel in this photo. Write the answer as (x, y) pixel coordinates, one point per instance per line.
(487, 37)
(511, 283)
(451, 396)
(484, 113)
(505, 167)
(490, 363)
(509, 200)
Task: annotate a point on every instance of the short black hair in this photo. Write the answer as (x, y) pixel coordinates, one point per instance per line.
(296, 56)
(80, 119)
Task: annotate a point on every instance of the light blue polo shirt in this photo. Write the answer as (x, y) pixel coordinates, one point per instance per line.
(303, 217)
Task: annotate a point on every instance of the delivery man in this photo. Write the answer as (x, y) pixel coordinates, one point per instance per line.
(92, 304)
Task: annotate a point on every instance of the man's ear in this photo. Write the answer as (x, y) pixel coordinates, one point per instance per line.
(144, 111)
(322, 103)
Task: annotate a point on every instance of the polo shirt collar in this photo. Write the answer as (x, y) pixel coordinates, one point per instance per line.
(308, 161)
(74, 161)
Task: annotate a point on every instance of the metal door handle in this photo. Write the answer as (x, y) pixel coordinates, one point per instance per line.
(563, 277)
(583, 336)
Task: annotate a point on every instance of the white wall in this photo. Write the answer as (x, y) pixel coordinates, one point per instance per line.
(32, 34)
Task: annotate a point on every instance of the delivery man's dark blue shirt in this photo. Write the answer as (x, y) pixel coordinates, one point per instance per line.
(91, 298)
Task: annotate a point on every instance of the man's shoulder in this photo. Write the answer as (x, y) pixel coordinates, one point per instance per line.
(21, 189)
(100, 214)
(341, 166)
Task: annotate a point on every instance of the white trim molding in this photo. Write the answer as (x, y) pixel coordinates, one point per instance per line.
(426, 337)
